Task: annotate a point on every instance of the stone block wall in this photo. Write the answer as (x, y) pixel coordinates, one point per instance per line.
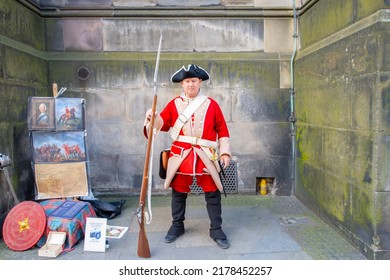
(342, 74)
(23, 73)
(247, 82)
(110, 62)
(167, 3)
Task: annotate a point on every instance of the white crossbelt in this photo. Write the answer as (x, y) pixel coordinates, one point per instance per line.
(186, 114)
(197, 141)
(209, 147)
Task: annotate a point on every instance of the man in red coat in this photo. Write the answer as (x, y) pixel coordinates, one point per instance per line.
(200, 138)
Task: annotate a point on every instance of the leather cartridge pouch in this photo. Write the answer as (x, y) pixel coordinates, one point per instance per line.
(164, 155)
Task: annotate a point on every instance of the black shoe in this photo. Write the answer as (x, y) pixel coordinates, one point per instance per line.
(223, 243)
(169, 238)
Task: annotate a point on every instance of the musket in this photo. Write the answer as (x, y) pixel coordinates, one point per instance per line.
(143, 250)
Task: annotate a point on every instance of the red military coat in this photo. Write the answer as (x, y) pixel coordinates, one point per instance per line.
(187, 160)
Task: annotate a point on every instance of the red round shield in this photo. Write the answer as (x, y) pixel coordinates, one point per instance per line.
(24, 225)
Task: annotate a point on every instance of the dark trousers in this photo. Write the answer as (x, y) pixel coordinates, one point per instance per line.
(214, 210)
(178, 208)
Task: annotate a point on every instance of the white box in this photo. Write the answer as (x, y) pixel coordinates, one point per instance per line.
(54, 244)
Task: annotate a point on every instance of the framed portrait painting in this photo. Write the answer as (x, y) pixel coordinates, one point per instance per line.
(41, 113)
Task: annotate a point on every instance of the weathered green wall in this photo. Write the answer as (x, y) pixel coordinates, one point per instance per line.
(317, 25)
(342, 88)
(23, 73)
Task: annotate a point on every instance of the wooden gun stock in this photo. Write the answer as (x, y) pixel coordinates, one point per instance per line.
(143, 250)
(143, 244)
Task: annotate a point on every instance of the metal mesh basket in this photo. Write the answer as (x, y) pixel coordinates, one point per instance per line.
(230, 181)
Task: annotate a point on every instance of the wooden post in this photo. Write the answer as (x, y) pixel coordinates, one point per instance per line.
(55, 90)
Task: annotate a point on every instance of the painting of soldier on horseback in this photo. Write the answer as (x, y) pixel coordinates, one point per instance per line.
(69, 114)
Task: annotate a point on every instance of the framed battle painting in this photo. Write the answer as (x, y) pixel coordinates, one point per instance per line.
(41, 113)
(58, 147)
(60, 180)
(70, 113)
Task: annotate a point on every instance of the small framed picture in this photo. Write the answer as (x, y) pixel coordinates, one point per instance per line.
(95, 234)
(70, 113)
(41, 113)
(115, 231)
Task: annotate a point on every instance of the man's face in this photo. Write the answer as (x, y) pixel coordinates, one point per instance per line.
(42, 108)
(191, 86)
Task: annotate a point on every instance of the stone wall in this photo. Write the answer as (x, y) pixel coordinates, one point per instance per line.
(342, 88)
(249, 78)
(120, 56)
(165, 3)
(23, 73)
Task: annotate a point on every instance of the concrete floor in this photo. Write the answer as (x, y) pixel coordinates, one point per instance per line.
(258, 228)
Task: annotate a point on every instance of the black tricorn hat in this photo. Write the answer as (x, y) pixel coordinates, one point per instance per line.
(191, 71)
